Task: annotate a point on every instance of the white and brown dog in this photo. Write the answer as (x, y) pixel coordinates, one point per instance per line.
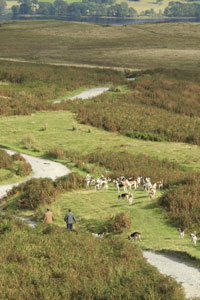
(135, 236)
(181, 233)
(194, 238)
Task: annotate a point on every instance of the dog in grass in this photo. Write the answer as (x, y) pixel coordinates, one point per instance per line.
(135, 236)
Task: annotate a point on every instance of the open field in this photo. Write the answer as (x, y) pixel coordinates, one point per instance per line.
(85, 139)
(140, 46)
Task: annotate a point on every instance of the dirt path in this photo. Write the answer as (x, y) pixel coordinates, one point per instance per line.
(86, 94)
(41, 168)
(72, 65)
(182, 272)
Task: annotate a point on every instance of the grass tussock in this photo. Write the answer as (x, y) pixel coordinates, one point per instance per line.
(108, 271)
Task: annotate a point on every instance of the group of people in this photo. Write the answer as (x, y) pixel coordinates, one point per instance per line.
(69, 219)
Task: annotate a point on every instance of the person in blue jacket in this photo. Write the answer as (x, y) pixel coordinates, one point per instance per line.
(70, 219)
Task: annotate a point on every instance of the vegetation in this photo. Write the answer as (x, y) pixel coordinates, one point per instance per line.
(141, 46)
(168, 97)
(61, 8)
(178, 9)
(69, 273)
(182, 203)
(158, 108)
(35, 192)
(25, 89)
(13, 167)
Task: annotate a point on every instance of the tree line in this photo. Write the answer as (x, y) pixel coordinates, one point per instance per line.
(77, 9)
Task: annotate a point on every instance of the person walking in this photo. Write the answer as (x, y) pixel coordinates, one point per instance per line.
(70, 219)
(48, 217)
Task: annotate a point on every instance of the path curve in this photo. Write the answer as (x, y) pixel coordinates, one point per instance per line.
(88, 94)
(182, 272)
(41, 168)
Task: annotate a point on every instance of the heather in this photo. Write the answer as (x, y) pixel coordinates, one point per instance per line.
(182, 203)
(26, 88)
(158, 107)
(50, 262)
(41, 191)
(13, 166)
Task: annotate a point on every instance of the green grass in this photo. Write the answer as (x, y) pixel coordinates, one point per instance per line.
(92, 208)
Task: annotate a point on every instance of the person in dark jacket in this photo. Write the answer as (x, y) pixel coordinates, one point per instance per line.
(70, 219)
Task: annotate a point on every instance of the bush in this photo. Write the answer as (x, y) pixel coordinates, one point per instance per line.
(36, 192)
(182, 203)
(118, 224)
(73, 181)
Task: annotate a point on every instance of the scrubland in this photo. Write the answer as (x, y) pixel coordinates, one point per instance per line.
(147, 127)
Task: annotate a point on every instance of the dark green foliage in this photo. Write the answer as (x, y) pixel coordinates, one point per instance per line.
(51, 263)
(42, 191)
(118, 224)
(182, 203)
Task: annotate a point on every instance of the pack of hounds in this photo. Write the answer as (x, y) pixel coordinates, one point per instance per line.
(123, 183)
(126, 184)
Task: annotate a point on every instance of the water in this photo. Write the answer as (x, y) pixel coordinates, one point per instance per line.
(104, 20)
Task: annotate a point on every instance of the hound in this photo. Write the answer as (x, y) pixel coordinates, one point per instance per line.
(151, 195)
(194, 238)
(135, 236)
(159, 184)
(130, 183)
(124, 195)
(120, 184)
(181, 233)
(130, 199)
(98, 235)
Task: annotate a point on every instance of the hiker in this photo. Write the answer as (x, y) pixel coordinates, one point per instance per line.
(48, 217)
(70, 219)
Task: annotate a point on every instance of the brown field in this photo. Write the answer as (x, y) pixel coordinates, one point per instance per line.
(141, 46)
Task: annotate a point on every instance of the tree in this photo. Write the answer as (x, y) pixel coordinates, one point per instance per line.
(2, 6)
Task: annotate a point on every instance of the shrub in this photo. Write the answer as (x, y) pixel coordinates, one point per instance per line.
(182, 203)
(35, 192)
(29, 142)
(56, 153)
(24, 169)
(118, 224)
(73, 181)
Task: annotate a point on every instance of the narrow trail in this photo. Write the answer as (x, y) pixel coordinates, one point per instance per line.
(181, 271)
(92, 66)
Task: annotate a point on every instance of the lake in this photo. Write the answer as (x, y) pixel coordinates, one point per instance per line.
(104, 20)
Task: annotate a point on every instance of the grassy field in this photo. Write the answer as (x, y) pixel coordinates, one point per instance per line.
(91, 207)
(141, 46)
(85, 139)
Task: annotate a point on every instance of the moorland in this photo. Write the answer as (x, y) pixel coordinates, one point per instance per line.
(147, 127)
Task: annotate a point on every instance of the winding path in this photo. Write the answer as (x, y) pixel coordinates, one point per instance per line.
(182, 272)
